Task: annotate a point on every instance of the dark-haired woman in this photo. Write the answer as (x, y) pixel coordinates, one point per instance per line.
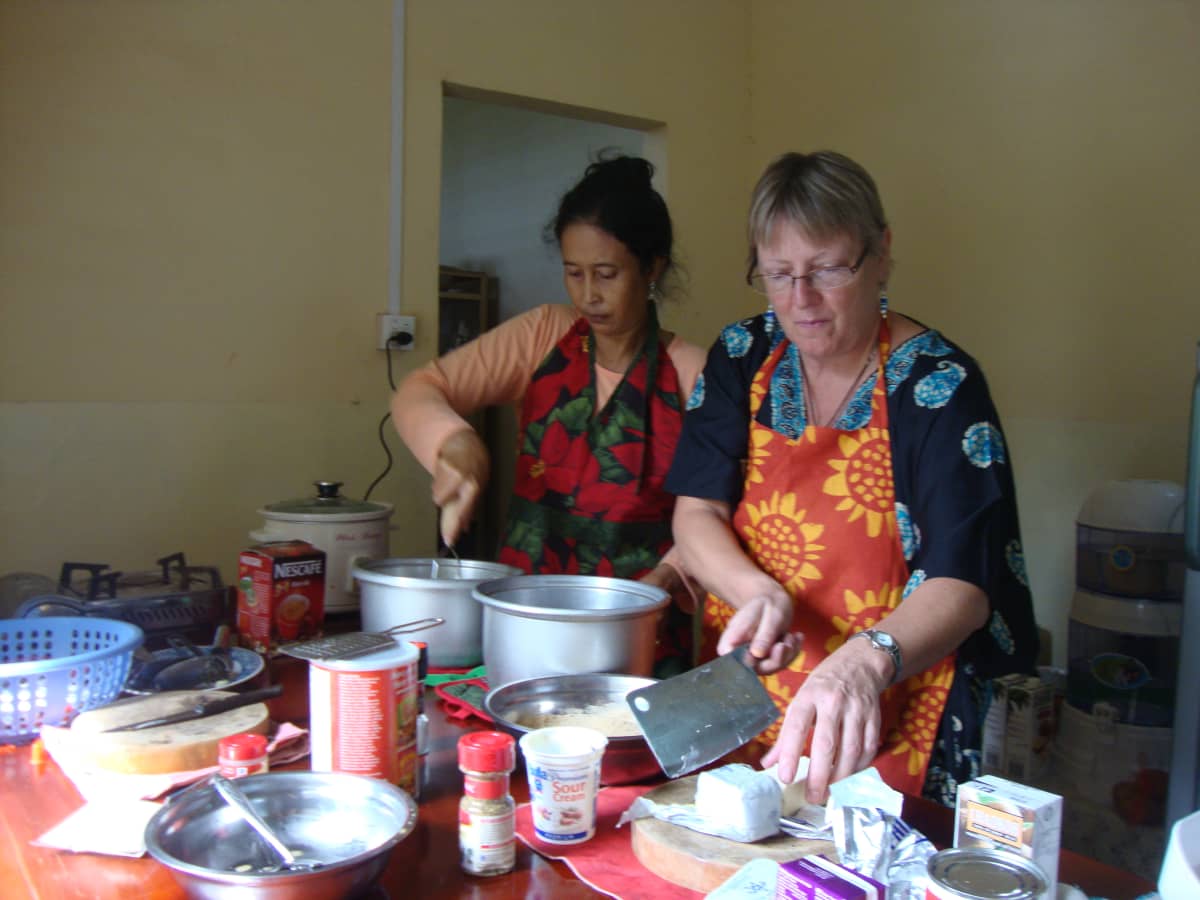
(600, 390)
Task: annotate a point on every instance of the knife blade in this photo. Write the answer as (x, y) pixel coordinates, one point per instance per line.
(697, 717)
(206, 707)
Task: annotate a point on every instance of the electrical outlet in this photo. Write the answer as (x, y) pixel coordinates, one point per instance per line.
(389, 325)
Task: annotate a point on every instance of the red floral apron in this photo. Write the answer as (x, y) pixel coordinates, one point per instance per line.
(818, 515)
(588, 493)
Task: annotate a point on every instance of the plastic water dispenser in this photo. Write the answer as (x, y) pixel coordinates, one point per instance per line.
(1114, 739)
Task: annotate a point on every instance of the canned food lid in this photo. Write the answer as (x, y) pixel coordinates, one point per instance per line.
(987, 874)
(242, 746)
(387, 658)
(486, 751)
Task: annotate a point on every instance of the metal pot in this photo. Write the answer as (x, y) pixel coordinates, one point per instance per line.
(400, 590)
(349, 531)
(537, 625)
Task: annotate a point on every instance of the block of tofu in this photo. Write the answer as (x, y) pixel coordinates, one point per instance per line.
(745, 800)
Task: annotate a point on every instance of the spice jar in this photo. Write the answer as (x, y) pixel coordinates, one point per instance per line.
(242, 754)
(486, 814)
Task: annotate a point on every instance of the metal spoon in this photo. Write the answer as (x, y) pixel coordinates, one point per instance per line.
(232, 795)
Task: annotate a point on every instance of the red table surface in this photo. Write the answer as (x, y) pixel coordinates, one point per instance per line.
(35, 797)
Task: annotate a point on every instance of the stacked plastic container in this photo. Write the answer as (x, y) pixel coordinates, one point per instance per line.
(1114, 738)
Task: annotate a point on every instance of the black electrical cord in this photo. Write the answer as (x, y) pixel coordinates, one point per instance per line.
(394, 339)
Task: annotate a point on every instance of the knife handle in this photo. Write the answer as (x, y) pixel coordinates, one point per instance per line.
(223, 704)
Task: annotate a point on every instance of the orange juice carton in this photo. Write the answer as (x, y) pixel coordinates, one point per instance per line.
(996, 813)
(281, 594)
(1019, 728)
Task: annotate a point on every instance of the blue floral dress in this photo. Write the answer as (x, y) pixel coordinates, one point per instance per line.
(955, 500)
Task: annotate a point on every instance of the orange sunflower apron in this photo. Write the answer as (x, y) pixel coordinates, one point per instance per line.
(818, 515)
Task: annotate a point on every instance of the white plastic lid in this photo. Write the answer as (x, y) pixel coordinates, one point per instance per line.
(1135, 504)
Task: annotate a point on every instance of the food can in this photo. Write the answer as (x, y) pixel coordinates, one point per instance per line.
(363, 715)
(974, 874)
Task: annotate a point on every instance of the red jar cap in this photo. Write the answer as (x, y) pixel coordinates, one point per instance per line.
(242, 746)
(486, 751)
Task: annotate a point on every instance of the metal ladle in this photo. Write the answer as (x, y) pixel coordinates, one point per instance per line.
(232, 795)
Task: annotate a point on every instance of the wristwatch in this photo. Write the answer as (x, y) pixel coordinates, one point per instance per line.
(881, 640)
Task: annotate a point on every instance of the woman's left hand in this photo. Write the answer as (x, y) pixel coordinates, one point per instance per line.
(838, 707)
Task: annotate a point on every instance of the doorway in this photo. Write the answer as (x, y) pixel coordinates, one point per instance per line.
(506, 162)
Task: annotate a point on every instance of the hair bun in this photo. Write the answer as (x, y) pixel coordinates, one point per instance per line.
(630, 171)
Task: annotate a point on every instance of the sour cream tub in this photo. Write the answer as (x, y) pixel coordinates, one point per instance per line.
(363, 715)
(563, 769)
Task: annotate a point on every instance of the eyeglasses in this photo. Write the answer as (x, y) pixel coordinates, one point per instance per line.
(825, 278)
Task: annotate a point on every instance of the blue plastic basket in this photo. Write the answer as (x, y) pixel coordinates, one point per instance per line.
(52, 669)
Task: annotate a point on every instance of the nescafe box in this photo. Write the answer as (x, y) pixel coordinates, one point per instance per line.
(281, 594)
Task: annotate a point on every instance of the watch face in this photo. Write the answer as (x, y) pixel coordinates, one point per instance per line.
(883, 639)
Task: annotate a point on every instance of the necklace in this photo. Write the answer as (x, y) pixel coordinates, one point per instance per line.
(809, 399)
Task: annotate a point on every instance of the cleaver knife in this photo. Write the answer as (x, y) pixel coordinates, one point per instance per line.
(696, 718)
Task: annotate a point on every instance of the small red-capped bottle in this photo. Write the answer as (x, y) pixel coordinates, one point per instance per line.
(486, 813)
(242, 754)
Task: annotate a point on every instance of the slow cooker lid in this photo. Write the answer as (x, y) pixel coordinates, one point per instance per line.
(328, 501)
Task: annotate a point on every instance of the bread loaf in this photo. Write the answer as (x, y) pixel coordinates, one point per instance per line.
(180, 747)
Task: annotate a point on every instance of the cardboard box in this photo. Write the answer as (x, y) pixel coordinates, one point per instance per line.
(993, 812)
(816, 878)
(1019, 728)
(281, 594)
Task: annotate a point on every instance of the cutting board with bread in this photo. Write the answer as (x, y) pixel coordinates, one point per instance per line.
(177, 747)
(701, 862)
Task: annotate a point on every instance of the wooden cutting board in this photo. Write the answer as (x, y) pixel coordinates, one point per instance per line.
(181, 747)
(701, 862)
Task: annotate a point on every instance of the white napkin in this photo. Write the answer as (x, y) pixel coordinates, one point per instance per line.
(289, 743)
(112, 827)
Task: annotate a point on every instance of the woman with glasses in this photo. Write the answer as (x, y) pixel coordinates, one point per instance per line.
(599, 388)
(845, 496)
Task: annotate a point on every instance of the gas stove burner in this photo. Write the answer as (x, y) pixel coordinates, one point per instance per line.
(100, 580)
(175, 599)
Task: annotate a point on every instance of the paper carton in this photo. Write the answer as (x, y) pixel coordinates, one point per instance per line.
(993, 812)
(1019, 728)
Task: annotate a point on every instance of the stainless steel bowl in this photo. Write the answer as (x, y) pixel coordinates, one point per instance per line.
(568, 625)
(402, 590)
(348, 823)
(627, 758)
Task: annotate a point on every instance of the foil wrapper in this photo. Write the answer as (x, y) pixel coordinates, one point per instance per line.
(883, 847)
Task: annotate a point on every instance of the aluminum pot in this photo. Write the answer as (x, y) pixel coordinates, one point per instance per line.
(393, 591)
(349, 531)
(537, 625)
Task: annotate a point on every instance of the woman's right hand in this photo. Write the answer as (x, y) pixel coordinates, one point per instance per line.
(461, 471)
(764, 622)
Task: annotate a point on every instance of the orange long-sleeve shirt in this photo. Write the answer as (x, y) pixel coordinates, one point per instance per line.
(495, 369)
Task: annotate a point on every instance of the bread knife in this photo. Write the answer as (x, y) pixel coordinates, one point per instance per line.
(206, 707)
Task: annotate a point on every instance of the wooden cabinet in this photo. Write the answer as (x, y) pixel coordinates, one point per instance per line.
(466, 306)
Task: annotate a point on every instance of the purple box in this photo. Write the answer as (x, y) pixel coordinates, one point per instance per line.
(816, 878)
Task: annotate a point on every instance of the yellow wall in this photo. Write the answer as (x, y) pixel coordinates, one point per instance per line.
(1038, 162)
(194, 240)
(194, 243)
